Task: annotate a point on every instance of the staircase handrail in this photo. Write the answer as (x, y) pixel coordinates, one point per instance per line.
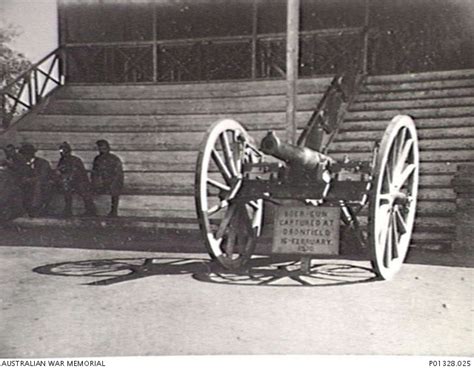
(11, 96)
(332, 107)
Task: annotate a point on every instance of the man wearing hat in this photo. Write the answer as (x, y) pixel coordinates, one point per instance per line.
(15, 162)
(11, 196)
(74, 179)
(38, 181)
(107, 175)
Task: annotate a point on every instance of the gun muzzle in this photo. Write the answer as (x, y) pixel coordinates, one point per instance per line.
(293, 155)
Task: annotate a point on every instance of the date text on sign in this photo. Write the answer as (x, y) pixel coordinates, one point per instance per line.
(306, 230)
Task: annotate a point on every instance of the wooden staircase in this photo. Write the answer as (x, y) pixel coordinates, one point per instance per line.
(442, 104)
(157, 129)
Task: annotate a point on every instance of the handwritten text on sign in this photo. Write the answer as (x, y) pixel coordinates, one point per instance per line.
(306, 230)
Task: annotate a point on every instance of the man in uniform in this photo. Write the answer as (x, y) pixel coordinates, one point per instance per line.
(11, 197)
(107, 175)
(73, 179)
(16, 162)
(38, 181)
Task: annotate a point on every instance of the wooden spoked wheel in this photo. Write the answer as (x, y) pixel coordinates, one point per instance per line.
(394, 194)
(229, 227)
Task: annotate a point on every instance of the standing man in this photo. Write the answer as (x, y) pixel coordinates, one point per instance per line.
(107, 175)
(38, 183)
(74, 179)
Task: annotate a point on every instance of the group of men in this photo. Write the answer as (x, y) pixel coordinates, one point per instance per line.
(27, 182)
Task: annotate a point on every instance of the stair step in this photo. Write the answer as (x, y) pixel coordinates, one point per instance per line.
(121, 222)
(138, 205)
(426, 156)
(442, 192)
(423, 76)
(152, 124)
(441, 167)
(176, 162)
(135, 230)
(422, 224)
(423, 133)
(416, 113)
(417, 86)
(134, 141)
(182, 205)
(192, 90)
(449, 123)
(414, 104)
(416, 95)
(257, 104)
(396, 87)
(425, 145)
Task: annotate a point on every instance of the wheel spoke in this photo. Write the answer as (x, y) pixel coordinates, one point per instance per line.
(221, 165)
(383, 214)
(216, 208)
(218, 185)
(228, 153)
(238, 152)
(388, 177)
(387, 245)
(401, 223)
(405, 174)
(238, 159)
(226, 221)
(385, 196)
(393, 159)
(401, 140)
(245, 218)
(404, 155)
(395, 239)
(254, 204)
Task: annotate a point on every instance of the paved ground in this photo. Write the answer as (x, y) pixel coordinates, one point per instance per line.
(59, 302)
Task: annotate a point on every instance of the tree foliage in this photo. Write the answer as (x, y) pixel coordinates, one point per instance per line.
(12, 63)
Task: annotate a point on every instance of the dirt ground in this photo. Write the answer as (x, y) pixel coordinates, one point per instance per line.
(76, 302)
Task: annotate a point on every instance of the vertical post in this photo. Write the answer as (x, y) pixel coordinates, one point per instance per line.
(30, 92)
(36, 87)
(365, 50)
(62, 32)
(292, 61)
(3, 112)
(155, 45)
(254, 39)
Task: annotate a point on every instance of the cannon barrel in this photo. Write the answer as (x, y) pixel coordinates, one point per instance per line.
(293, 155)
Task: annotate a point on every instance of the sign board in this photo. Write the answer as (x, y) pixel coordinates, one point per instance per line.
(306, 230)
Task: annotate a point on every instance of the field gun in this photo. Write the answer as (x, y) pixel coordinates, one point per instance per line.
(312, 192)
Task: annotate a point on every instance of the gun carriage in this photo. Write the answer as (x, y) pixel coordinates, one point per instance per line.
(311, 193)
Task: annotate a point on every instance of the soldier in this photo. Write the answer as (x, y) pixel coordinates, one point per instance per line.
(16, 162)
(38, 181)
(11, 197)
(107, 175)
(73, 178)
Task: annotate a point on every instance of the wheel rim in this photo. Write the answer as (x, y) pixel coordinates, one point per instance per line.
(393, 202)
(228, 227)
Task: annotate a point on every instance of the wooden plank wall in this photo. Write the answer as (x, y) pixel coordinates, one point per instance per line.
(156, 130)
(442, 105)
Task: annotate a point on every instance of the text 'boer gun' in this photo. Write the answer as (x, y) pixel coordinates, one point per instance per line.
(312, 194)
